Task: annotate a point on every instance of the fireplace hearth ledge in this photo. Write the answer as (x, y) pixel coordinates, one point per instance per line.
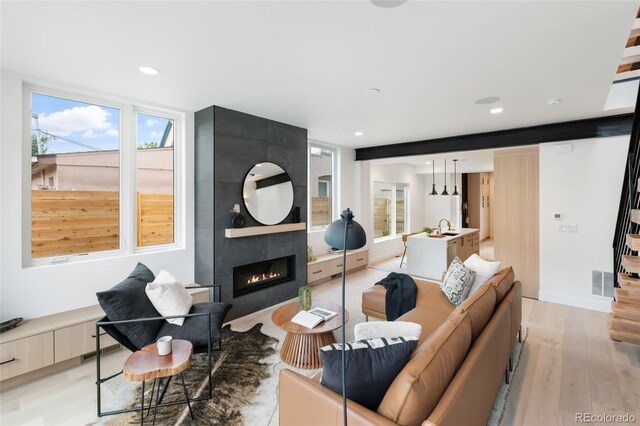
(251, 231)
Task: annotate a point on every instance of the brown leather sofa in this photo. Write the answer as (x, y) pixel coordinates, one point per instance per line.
(453, 375)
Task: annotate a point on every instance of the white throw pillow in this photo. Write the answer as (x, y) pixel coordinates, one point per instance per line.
(169, 297)
(375, 329)
(484, 270)
(457, 281)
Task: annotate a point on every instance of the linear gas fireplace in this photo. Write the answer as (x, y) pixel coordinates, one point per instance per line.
(259, 275)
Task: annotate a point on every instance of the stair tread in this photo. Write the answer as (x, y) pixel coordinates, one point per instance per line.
(628, 297)
(621, 310)
(625, 336)
(627, 280)
(633, 241)
(631, 263)
(635, 216)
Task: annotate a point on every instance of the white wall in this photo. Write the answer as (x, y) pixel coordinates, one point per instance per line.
(584, 186)
(35, 291)
(437, 207)
(398, 173)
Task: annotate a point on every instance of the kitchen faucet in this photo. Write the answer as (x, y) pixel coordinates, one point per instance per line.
(448, 225)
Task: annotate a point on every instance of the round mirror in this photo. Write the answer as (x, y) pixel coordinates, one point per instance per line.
(268, 193)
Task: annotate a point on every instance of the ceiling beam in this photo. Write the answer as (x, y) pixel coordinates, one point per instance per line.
(600, 127)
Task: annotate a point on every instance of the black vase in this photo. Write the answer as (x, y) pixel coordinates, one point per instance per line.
(237, 221)
(295, 217)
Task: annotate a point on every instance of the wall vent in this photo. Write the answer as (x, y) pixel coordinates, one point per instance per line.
(103, 351)
(602, 283)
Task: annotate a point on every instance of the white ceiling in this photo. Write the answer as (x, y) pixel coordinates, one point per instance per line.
(309, 63)
(468, 162)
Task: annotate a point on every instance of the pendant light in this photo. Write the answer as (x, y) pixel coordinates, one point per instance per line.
(455, 177)
(444, 192)
(433, 174)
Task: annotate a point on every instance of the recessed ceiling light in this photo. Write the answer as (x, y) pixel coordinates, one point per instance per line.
(149, 70)
(554, 101)
(496, 110)
(358, 133)
(488, 100)
(428, 162)
(373, 91)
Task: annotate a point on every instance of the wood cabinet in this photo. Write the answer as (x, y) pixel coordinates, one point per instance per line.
(465, 246)
(329, 265)
(78, 340)
(23, 355)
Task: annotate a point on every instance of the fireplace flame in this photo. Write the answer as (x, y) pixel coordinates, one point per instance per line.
(262, 277)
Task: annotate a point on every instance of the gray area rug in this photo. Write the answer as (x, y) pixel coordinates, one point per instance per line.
(237, 372)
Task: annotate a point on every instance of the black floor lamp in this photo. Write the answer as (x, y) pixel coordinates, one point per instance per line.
(345, 234)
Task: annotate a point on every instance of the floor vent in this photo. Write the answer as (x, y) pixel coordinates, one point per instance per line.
(602, 283)
(103, 351)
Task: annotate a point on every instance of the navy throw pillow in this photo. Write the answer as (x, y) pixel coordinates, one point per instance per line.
(371, 366)
(128, 300)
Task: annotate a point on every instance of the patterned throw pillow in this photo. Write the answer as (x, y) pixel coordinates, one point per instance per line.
(370, 366)
(457, 281)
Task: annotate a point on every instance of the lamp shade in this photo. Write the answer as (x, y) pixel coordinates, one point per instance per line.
(356, 237)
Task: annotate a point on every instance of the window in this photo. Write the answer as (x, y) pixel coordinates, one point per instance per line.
(322, 184)
(390, 209)
(83, 201)
(154, 180)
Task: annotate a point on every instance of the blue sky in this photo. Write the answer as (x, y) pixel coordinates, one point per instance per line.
(82, 127)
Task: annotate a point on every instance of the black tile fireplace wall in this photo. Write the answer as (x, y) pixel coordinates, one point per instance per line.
(228, 144)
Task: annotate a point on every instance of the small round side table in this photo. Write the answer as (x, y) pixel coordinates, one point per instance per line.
(301, 344)
(146, 364)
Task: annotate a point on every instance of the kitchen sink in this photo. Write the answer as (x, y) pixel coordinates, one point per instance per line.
(451, 234)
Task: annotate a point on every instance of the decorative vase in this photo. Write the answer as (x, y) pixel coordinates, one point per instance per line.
(237, 221)
(304, 298)
(310, 256)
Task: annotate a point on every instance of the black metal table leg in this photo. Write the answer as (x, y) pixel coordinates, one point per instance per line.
(151, 399)
(142, 406)
(155, 409)
(186, 395)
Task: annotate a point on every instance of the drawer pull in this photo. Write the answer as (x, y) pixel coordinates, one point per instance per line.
(360, 260)
(317, 272)
(7, 361)
(339, 266)
(101, 334)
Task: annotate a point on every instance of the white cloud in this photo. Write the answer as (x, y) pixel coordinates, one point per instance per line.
(112, 132)
(76, 120)
(151, 122)
(89, 134)
(156, 134)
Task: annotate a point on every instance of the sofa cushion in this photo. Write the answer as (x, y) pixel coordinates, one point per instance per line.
(429, 319)
(457, 281)
(502, 282)
(420, 385)
(479, 307)
(194, 329)
(128, 300)
(371, 367)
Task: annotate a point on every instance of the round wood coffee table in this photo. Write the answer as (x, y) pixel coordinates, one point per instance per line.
(146, 364)
(300, 346)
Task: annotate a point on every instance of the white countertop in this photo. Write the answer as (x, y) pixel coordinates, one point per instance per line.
(460, 231)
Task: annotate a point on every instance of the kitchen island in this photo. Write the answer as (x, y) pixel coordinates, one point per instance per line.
(429, 256)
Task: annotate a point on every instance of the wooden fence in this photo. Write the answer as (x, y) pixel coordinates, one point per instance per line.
(382, 217)
(320, 211)
(70, 222)
(155, 219)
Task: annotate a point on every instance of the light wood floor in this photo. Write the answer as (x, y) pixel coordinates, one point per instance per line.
(568, 365)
